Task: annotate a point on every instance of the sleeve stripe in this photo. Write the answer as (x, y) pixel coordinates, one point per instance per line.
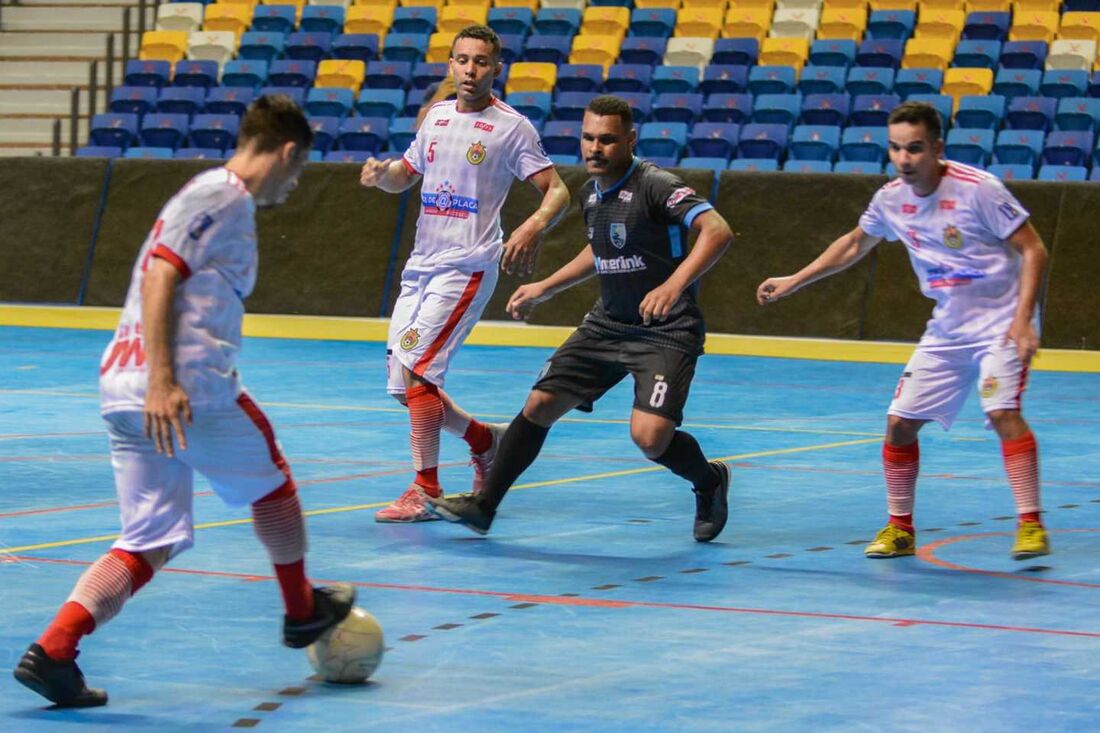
(173, 259)
(689, 218)
(409, 167)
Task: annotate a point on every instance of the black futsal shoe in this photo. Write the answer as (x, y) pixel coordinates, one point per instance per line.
(59, 681)
(465, 510)
(712, 507)
(331, 605)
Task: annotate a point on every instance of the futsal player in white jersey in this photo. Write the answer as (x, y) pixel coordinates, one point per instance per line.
(174, 404)
(978, 257)
(467, 151)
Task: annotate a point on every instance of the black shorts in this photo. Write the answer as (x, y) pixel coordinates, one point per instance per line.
(587, 365)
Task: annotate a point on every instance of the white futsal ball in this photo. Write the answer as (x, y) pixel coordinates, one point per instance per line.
(351, 651)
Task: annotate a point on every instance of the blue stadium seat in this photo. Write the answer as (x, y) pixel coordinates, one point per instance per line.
(709, 164)
(869, 110)
(1018, 146)
(822, 79)
(98, 151)
(943, 103)
(414, 19)
(135, 100)
(735, 52)
(355, 46)
(863, 143)
(1095, 176)
(244, 73)
(571, 105)
(754, 165)
(364, 133)
(772, 79)
(672, 107)
(426, 73)
(654, 22)
(892, 24)
(580, 77)
(1012, 171)
(190, 73)
(292, 73)
(408, 47)
(973, 147)
(273, 19)
(713, 140)
(402, 131)
(225, 100)
(381, 103)
(557, 22)
(662, 139)
(724, 79)
(1062, 173)
(628, 78)
(826, 109)
(1078, 113)
(146, 73)
(776, 109)
(325, 130)
(315, 156)
(669, 161)
(562, 137)
(261, 45)
(332, 101)
(759, 141)
(547, 49)
(977, 54)
(675, 79)
(535, 106)
(296, 94)
(357, 157)
(980, 112)
(869, 80)
(181, 100)
(640, 104)
(884, 53)
(1011, 83)
(510, 20)
(214, 131)
(815, 142)
(305, 46)
(736, 108)
(148, 152)
(833, 52)
(199, 154)
(857, 167)
(163, 130)
(1061, 83)
(1024, 54)
(511, 47)
(917, 81)
(1068, 148)
(1031, 113)
(643, 50)
(564, 159)
(807, 166)
(387, 74)
(984, 25)
(327, 18)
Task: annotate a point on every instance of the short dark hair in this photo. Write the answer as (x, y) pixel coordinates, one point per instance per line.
(480, 33)
(918, 113)
(606, 105)
(273, 120)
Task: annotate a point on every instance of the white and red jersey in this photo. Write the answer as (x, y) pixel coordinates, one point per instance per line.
(207, 232)
(956, 239)
(468, 161)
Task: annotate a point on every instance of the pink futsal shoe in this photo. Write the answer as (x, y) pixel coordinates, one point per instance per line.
(409, 507)
(482, 462)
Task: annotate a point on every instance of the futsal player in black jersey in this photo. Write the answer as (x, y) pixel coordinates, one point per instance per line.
(646, 323)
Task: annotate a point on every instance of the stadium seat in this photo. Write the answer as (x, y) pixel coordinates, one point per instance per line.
(654, 22)
(133, 99)
(410, 47)
(1078, 113)
(148, 153)
(363, 133)
(414, 100)
(735, 51)
(761, 142)
(1012, 83)
(677, 107)
(533, 105)
(815, 142)
(163, 130)
(799, 23)
(585, 77)
(864, 144)
(506, 20)
(687, 51)
(928, 52)
(214, 131)
(217, 46)
(562, 137)
(1031, 113)
(325, 131)
(772, 79)
(977, 54)
(1080, 26)
(1061, 83)
(746, 22)
(623, 77)
(373, 19)
(355, 46)
(402, 131)
(292, 73)
(959, 82)
(195, 74)
(425, 73)
(557, 22)
(114, 129)
(1024, 55)
(776, 109)
(675, 79)
(710, 164)
(232, 17)
(917, 81)
(225, 100)
(199, 154)
(835, 52)
(296, 94)
(642, 50)
(869, 80)
(822, 80)
(973, 147)
(848, 24)
(387, 74)
(261, 46)
(1034, 25)
(184, 17)
(698, 22)
(571, 105)
(944, 104)
(857, 167)
(886, 52)
(940, 23)
(792, 52)
(146, 73)
(594, 49)
(713, 140)
(272, 18)
(547, 49)
(531, 77)
(893, 24)
(662, 139)
(1018, 146)
(735, 108)
(417, 19)
(243, 73)
(1062, 173)
(987, 26)
(724, 79)
(1068, 148)
(170, 46)
(825, 109)
(980, 112)
(181, 100)
(376, 102)
(869, 110)
(1072, 54)
(605, 21)
(754, 165)
(345, 73)
(1012, 171)
(640, 103)
(357, 157)
(807, 166)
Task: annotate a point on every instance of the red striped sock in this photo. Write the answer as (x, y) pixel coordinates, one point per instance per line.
(478, 437)
(62, 636)
(901, 464)
(1021, 457)
(426, 417)
(277, 519)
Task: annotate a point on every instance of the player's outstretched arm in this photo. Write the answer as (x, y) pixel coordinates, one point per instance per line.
(1029, 244)
(165, 399)
(389, 175)
(840, 255)
(714, 239)
(526, 297)
(522, 248)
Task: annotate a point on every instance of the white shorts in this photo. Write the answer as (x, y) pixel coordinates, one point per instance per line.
(434, 314)
(234, 448)
(936, 382)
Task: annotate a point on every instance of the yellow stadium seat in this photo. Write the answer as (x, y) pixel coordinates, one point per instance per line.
(437, 4)
(300, 4)
(846, 4)
(784, 52)
(168, 46)
(698, 22)
(391, 4)
(747, 23)
(1032, 25)
(928, 53)
(959, 82)
(471, 3)
(768, 5)
(605, 20)
(943, 5)
(1075, 25)
(527, 76)
(794, 23)
(233, 17)
(893, 4)
(342, 73)
(250, 3)
(456, 17)
(532, 5)
(650, 4)
(368, 19)
(842, 24)
(179, 16)
(988, 6)
(439, 47)
(935, 23)
(703, 4)
(1021, 6)
(595, 48)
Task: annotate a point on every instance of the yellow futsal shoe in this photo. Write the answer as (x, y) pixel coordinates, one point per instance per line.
(1031, 541)
(892, 541)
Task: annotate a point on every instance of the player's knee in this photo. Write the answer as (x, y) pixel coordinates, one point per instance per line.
(1009, 424)
(540, 408)
(652, 442)
(400, 397)
(901, 430)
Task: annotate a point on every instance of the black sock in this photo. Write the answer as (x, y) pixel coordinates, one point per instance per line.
(517, 450)
(685, 458)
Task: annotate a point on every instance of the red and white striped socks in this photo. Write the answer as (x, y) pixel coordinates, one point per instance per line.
(278, 521)
(426, 414)
(457, 421)
(1021, 456)
(901, 464)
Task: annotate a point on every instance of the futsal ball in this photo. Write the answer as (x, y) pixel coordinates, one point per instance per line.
(350, 652)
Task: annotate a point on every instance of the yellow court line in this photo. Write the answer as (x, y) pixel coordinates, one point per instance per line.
(504, 333)
(518, 487)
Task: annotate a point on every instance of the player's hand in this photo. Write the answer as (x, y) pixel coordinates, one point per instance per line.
(774, 288)
(525, 299)
(1022, 333)
(165, 404)
(373, 171)
(521, 251)
(657, 303)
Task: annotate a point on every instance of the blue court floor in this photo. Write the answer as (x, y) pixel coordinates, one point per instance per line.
(588, 607)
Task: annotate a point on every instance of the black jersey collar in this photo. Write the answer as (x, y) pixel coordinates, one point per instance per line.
(619, 183)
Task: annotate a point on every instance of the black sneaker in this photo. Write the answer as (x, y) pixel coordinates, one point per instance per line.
(712, 507)
(331, 605)
(60, 682)
(465, 510)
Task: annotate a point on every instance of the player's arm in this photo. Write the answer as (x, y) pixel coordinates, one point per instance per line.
(165, 399)
(392, 176)
(1029, 244)
(577, 270)
(847, 250)
(714, 239)
(522, 248)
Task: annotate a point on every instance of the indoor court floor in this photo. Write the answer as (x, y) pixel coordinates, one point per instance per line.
(588, 607)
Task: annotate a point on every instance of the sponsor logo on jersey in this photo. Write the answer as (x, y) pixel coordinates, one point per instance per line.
(914, 240)
(1010, 212)
(617, 265)
(591, 199)
(201, 223)
(479, 125)
(952, 237)
(679, 195)
(591, 233)
(476, 154)
(947, 205)
(908, 208)
(410, 339)
(945, 277)
(443, 122)
(626, 196)
(445, 202)
(618, 235)
(989, 387)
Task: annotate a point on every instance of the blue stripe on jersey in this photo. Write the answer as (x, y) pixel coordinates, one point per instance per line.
(619, 183)
(675, 241)
(696, 211)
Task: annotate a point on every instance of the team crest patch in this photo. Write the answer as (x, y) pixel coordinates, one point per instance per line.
(476, 154)
(679, 195)
(952, 237)
(989, 387)
(626, 196)
(618, 235)
(410, 339)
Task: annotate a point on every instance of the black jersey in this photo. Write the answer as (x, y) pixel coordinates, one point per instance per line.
(638, 231)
